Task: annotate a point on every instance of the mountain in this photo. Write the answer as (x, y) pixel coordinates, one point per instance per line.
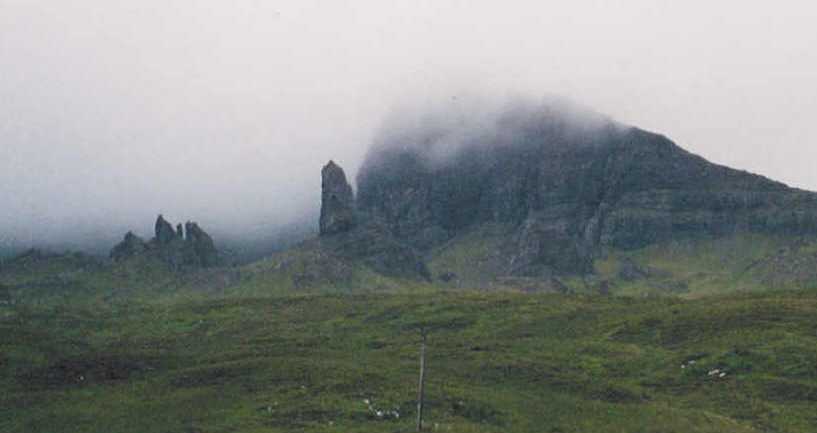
(559, 186)
(532, 197)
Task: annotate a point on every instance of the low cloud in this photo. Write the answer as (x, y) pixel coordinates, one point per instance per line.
(224, 113)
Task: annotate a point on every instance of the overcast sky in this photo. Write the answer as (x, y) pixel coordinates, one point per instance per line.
(224, 111)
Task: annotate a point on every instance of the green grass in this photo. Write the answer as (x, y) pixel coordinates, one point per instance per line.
(298, 341)
(77, 279)
(475, 258)
(498, 362)
(309, 269)
(703, 267)
(688, 268)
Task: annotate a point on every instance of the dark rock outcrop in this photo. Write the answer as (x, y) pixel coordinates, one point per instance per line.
(346, 234)
(629, 270)
(193, 249)
(337, 201)
(164, 231)
(199, 247)
(5, 295)
(570, 183)
(131, 245)
(373, 245)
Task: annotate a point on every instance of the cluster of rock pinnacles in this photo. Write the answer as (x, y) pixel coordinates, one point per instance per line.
(187, 246)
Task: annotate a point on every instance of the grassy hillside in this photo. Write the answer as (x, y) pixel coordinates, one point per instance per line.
(708, 266)
(41, 278)
(689, 268)
(307, 268)
(498, 362)
(301, 341)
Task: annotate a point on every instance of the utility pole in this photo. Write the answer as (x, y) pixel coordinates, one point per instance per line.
(421, 388)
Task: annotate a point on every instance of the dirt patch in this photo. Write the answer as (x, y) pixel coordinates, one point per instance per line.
(213, 375)
(81, 371)
(301, 418)
(475, 411)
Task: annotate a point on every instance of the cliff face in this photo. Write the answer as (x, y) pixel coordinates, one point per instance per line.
(369, 242)
(570, 184)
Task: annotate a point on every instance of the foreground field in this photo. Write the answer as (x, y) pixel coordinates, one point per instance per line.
(498, 362)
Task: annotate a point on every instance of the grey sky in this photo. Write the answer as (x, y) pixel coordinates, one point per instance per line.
(112, 111)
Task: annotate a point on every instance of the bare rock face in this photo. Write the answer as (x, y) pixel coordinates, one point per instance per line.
(567, 184)
(371, 243)
(130, 246)
(167, 245)
(164, 231)
(337, 201)
(200, 250)
(193, 249)
(346, 234)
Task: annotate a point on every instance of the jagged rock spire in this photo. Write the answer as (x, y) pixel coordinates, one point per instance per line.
(200, 249)
(337, 201)
(164, 231)
(178, 249)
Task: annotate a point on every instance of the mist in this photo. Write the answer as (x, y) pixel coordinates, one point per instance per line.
(439, 133)
(112, 112)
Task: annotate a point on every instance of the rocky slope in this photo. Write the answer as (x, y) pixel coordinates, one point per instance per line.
(567, 183)
(369, 241)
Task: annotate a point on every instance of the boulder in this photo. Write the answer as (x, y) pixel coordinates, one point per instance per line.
(629, 270)
(5, 295)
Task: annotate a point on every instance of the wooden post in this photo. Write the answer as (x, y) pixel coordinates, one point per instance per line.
(421, 388)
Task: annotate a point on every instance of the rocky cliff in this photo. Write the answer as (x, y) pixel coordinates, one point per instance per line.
(568, 182)
(370, 241)
(199, 248)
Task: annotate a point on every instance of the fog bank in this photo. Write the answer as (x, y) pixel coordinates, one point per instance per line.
(112, 112)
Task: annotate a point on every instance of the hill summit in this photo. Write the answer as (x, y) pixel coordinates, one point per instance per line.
(565, 183)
